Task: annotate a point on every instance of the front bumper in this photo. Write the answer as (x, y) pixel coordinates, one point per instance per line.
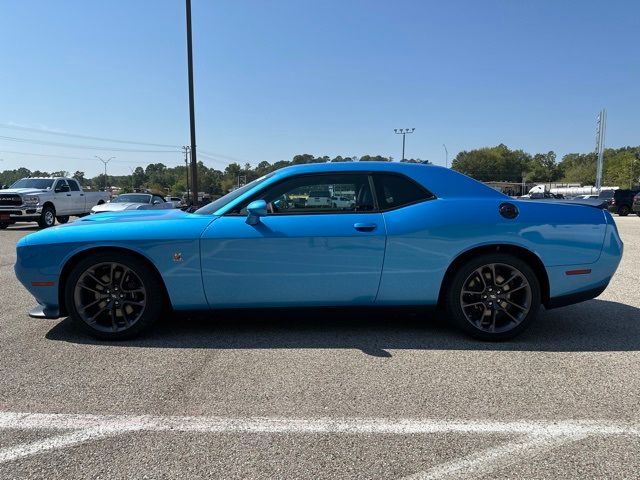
(43, 311)
(21, 212)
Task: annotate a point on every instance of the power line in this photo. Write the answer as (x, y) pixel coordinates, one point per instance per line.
(86, 137)
(70, 157)
(82, 147)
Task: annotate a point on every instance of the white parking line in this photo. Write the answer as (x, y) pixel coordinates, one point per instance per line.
(533, 436)
(487, 460)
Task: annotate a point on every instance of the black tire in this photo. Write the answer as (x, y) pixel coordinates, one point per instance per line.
(102, 327)
(623, 211)
(3, 225)
(530, 297)
(63, 219)
(47, 217)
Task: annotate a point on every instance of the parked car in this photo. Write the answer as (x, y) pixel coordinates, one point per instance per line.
(133, 201)
(621, 202)
(319, 198)
(342, 202)
(45, 200)
(636, 204)
(489, 267)
(177, 201)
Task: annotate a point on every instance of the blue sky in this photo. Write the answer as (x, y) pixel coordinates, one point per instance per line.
(277, 78)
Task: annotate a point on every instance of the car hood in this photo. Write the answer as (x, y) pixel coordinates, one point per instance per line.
(124, 215)
(22, 191)
(113, 228)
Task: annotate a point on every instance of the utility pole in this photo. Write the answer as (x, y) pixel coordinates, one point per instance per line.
(105, 168)
(192, 114)
(601, 127)
(186, 164)
(403, 132)
(446, 156)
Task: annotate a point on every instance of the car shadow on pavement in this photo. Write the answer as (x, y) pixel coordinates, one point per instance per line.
(596, 325)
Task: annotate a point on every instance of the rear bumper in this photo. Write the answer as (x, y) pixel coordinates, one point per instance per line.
(570, 284)
(570, 299)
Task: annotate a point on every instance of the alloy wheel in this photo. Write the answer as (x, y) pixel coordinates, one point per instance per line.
(496, 297)
(110, 297)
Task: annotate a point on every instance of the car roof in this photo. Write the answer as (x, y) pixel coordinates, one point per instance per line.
(443, 182)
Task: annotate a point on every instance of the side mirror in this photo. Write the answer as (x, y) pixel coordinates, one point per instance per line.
(255, 210)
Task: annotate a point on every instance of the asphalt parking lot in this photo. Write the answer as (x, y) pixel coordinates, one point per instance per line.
(329, 394)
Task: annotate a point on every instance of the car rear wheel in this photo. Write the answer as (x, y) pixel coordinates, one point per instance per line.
(3, 225)
(493, 297)
(113, 296)
(623, 211)
(47, 217)
(63, 219)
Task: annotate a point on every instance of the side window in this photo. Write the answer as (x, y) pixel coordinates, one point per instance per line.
(59, 185)
(156, 199)
(332, 193)
(73, 185)
(394, 191)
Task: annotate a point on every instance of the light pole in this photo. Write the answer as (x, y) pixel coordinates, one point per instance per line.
(403, 132)
(192, 114)
(446, 156)
(105, 168)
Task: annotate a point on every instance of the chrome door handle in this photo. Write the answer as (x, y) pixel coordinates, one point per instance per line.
(365, 227)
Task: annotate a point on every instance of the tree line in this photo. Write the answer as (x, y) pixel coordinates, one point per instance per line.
(499, 163)
(158, 177)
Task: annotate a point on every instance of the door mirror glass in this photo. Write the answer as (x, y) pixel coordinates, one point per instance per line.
(255, 210)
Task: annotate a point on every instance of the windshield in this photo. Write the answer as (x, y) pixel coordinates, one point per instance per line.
(135, 198)
(231, 196)
(39, 183)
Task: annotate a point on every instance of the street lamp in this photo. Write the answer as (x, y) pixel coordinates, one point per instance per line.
(403, 132)
(105, 168)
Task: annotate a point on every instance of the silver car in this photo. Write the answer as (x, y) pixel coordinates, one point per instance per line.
(133, 201)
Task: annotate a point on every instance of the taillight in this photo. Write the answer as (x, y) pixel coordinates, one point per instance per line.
(613, 201)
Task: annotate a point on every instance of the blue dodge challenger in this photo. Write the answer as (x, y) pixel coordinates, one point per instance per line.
(346, 234)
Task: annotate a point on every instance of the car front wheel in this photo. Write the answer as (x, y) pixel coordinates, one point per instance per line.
(623, 211)
(113, 296)
(63, 219)
(493, 297)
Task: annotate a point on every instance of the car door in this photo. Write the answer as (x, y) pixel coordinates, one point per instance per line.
(77, 202)
(62, 197)
(297, 255)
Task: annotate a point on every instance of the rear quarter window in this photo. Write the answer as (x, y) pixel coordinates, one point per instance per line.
(396, 191)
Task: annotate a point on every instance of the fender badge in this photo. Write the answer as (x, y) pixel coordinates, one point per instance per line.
(177, 257)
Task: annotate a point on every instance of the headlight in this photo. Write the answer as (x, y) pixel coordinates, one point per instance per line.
(31, 199)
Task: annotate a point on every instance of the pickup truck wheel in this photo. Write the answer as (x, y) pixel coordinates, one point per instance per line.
(47, 217)
(623, 211)
(3, 225)
(113, 296)
(63, 219)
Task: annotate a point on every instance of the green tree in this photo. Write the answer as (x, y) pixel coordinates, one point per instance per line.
(492, 163)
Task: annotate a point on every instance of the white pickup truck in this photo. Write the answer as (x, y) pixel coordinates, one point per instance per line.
(44, 200)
